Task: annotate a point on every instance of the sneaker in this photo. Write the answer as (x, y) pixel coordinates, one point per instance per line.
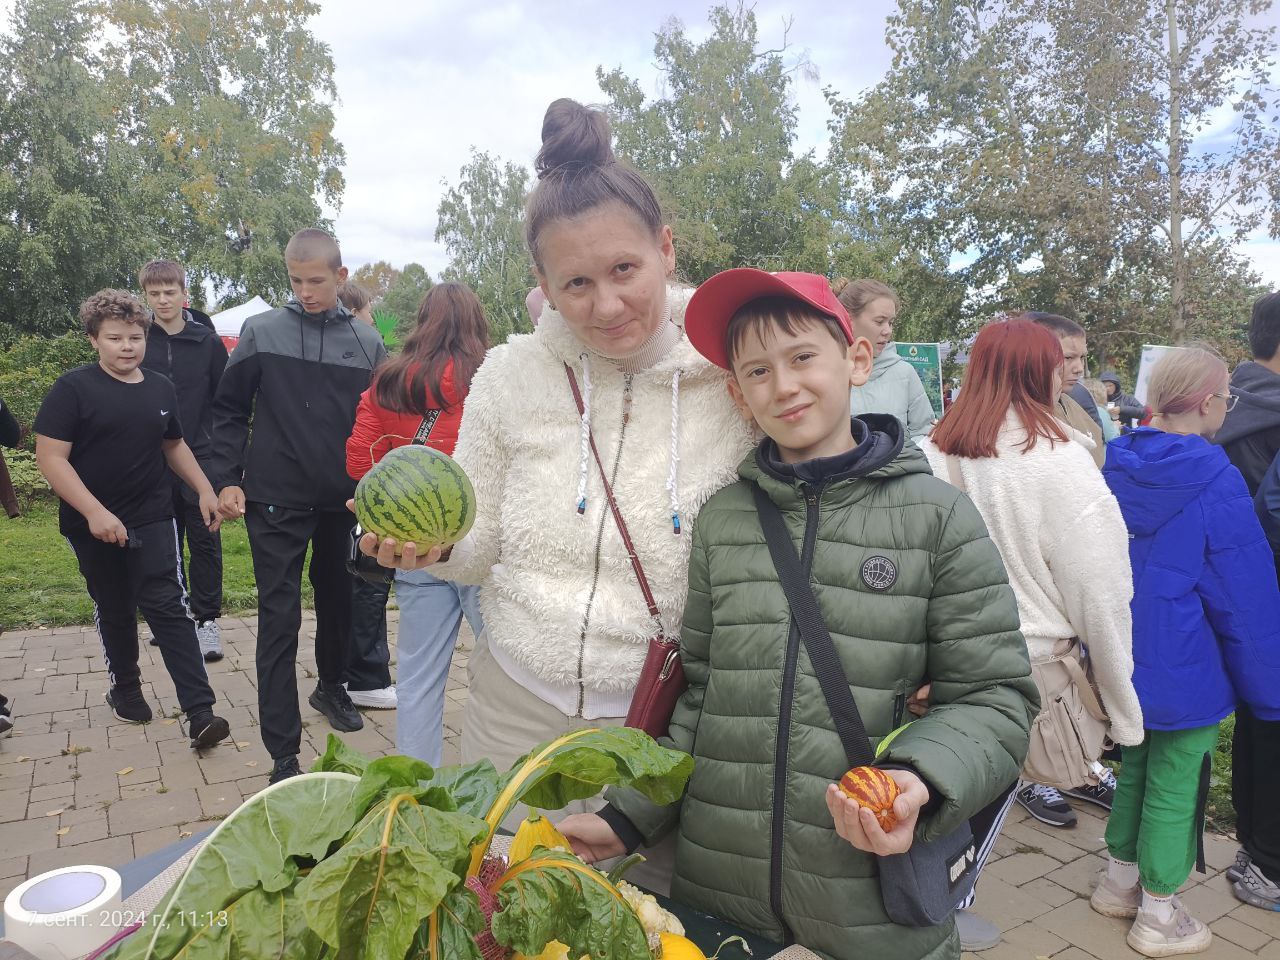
(128, 705)
(1256, 890)
(1112, 901)
(1102, 794)
(337, 708)
(383, 699)
(206, 730)
(154, 642)
(6, 717)
(284, 769)
(1182, 933)
(1237, 869)
(976, 934)
(210, 638)
(1046, 805)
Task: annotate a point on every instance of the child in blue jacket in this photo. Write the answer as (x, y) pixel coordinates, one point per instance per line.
(1206, 635)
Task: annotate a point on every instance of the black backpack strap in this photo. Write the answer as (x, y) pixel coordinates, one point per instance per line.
(813, 631)
(428, 424)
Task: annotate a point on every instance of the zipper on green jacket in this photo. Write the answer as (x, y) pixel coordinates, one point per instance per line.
(782, 745)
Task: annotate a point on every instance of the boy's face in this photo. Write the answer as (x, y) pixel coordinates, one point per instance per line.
(1073, 354)
(165, 300)
(315, 284)
(121, 346)
(796, 388)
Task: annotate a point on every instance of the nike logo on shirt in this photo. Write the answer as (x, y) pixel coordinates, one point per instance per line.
(164, 413)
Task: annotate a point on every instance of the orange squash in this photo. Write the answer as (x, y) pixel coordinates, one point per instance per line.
(875, 790)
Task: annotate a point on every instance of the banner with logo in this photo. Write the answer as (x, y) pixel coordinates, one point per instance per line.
(927, 360)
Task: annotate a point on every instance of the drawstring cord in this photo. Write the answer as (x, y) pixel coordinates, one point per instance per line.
(673, 475)
(584, 429)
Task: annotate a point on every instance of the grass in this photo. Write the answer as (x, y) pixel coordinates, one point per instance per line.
(40, 584)
(1220, 815)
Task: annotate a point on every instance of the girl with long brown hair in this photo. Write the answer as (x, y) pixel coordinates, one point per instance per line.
(417, 397)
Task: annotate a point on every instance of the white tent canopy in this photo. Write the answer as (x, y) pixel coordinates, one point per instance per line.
(229, 322)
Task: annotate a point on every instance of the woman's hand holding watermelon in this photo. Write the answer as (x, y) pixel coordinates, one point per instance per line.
(394, 555)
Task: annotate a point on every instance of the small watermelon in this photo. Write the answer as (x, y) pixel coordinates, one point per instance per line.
(419, 495)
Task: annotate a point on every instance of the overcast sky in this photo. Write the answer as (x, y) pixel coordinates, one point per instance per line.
(422, 83)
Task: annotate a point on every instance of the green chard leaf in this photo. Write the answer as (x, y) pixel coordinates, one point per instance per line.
(473, 786)
(555, 896)
(395, 774)
(612, 756)
(453, 927)
(339, 758)
(258, 847)
(369, 899)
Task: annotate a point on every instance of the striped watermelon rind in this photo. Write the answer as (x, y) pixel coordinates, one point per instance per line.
(416, 494)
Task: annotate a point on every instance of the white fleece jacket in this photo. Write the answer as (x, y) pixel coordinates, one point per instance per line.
(562, 610)
(1066, 548)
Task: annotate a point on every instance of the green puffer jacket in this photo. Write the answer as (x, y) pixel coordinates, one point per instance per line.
(757, 845)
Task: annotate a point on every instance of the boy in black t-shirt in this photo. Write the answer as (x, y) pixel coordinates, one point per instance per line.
(104, 436)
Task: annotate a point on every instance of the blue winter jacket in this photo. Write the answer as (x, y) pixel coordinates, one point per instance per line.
(1206, 606)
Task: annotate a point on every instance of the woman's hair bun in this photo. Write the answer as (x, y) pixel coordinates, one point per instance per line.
(573, 135)
(839, 285)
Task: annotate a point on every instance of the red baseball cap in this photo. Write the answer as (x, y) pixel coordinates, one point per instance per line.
(714, 303)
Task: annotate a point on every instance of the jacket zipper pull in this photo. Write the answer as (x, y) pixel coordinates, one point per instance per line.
(626, 399)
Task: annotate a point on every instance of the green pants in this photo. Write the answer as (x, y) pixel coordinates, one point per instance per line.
(1157, 817)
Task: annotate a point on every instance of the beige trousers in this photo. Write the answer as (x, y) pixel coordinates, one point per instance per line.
(503, 721)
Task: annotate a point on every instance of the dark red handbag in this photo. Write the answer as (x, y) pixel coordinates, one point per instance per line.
(662, 677)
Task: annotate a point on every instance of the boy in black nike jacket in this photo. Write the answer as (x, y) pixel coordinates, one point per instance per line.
(192, 355)
(298, 372)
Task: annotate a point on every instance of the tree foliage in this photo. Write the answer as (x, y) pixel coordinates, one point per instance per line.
(1052, 150)
(203, 131)
(405, 294)
(481, 223)
(377, 278)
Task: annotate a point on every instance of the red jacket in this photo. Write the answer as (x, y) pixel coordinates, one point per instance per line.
(378, 429)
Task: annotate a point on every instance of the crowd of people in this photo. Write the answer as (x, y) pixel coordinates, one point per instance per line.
(1047, 579)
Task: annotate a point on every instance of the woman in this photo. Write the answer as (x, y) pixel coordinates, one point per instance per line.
(567, 625)
(1206, 636)
(424, 390)
(894, 386)
(1056, 525)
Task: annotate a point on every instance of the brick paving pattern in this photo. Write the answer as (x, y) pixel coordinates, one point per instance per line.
(78, 786)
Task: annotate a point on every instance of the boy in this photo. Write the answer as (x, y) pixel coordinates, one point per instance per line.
(104, 436)
(1251, 437)
(298, 372)
(1070, 409)
(193, 357)
(910, 587)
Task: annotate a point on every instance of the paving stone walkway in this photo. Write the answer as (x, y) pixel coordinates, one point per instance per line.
(78, 786)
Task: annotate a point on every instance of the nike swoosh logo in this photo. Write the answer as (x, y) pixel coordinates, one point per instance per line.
(164, 413)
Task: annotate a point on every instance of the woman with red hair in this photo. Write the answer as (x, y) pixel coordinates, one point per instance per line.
(1058, 527)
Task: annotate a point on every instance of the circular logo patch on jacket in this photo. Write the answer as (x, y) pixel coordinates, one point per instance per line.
(879, 573)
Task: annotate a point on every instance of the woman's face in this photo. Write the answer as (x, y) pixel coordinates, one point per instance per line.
(875, 322)
(606, 273)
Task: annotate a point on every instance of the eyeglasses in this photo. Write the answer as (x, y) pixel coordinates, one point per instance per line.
(1231, 398)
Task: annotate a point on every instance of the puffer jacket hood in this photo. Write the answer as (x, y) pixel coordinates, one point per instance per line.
(887, 360)
(1154, 475)
(881, 453)
(1259, 404)
(1112, 377)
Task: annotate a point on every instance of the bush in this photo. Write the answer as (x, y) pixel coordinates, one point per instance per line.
(28, 368)
(28, 481)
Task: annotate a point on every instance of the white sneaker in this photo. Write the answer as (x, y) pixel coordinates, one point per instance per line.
(384, 699)
(210, 638)
(1181, 934)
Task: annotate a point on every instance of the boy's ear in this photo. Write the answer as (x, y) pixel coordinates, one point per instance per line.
(739, 401)
(342, 274)
(860, 360)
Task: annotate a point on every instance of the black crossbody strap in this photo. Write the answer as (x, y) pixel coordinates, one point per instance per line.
(424, 429)
(814, 633)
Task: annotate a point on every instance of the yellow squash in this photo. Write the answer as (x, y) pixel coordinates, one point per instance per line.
(535, 831)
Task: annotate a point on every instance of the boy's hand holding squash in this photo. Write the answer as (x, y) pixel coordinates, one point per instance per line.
(859, 826)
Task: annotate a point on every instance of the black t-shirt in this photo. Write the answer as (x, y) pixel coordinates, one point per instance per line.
(115, 430)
